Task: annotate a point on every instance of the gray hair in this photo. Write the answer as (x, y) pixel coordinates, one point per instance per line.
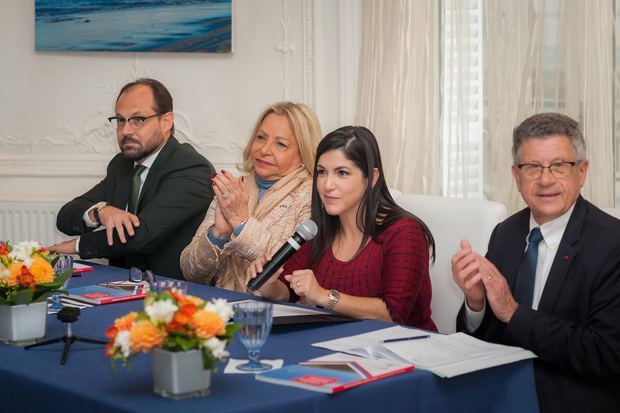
(544, 125)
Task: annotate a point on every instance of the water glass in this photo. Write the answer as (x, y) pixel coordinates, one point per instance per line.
(64, 263)
(255, 316)
(177, 286)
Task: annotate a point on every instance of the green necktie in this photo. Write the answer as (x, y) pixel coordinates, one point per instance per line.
(135, 189)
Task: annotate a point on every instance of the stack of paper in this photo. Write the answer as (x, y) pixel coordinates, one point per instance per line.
(293, 314)
(66, 302)
(444, 355)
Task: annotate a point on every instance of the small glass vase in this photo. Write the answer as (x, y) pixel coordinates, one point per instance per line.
(22, 324)
(180, 375)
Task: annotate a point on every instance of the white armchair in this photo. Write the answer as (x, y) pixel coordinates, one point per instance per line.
(451, 220)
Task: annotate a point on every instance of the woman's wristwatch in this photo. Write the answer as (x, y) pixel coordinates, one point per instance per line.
(333, 296)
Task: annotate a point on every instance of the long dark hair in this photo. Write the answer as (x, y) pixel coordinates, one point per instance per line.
(377, 209)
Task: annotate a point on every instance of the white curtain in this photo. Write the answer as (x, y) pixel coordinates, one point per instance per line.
(398, 93)
(588, 30)
(549, 56)
(539, 56)
(513, 86)
(462, 98)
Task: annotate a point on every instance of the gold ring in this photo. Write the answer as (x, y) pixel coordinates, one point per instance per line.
(225, 195)
(489, 277)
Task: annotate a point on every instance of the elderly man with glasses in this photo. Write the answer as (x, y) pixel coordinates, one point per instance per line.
(155, 193)
(550, 281)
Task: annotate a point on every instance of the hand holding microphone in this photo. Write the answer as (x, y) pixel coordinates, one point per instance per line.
(304, 232)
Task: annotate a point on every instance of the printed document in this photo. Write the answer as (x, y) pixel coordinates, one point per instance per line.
(445, 355)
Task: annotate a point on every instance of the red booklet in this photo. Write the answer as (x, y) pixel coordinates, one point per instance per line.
(110, 292)
(334, 373)
(80, 268)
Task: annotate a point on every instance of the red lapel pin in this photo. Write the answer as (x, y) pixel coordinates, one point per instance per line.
(565, 257)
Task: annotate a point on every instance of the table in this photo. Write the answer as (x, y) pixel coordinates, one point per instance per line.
(33, 380)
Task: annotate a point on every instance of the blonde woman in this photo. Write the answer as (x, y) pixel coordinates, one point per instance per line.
(253, 215)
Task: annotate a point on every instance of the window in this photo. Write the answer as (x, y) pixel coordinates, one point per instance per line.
(462, 100)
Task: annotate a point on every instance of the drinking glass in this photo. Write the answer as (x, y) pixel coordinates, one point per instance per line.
(255, 316)
(64, 263)
(177, 286)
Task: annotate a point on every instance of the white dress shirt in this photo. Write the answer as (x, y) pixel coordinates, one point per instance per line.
(552, 233)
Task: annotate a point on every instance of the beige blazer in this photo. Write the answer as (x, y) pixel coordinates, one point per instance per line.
(271, 223)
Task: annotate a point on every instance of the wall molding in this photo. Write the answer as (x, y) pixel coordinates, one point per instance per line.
(349, 43)
(285, 49)
(309, 56)
(38, 166)
(82, 146)
(86, 167)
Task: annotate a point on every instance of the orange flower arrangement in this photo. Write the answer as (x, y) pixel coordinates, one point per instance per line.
(145, 336)
(41, 270)
(207, 324)
(125, 322)
(27, 274)
(173, 322)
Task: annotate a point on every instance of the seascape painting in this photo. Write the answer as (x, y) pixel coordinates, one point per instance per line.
(134, 25)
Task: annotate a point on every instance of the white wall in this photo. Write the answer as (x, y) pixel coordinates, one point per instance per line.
(54, 138)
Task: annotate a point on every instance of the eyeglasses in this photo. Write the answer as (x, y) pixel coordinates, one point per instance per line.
(137, 275)
(135, 122)
(559, 170)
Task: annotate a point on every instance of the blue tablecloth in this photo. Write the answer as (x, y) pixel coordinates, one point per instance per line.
(33, 380)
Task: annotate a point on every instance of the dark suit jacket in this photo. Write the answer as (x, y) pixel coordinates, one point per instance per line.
(576, 330)
(173, 202)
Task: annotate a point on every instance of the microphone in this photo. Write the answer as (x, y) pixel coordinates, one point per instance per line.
(305, 232)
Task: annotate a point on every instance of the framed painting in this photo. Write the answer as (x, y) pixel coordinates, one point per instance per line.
(134, 25)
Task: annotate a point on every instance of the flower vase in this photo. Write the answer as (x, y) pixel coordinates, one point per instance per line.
(22, 323)
(180, 375)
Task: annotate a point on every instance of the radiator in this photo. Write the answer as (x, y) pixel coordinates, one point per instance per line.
(30, 220)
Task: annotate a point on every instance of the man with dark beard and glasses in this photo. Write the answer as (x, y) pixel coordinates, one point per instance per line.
(155, 193)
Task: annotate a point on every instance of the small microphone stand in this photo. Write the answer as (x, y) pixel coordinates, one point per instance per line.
(67, 315)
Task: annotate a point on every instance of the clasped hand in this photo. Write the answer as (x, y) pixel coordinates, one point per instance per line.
(479, 279)
(232, 202)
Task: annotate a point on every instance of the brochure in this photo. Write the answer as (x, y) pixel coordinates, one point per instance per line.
(334, 373)
(109, 292)
(79, 268)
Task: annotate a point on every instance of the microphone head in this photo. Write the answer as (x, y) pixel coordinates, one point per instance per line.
(307, 229)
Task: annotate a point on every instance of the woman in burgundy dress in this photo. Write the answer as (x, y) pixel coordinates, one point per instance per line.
(370, 257)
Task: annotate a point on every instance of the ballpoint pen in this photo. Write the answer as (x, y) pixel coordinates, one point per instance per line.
(393, 340)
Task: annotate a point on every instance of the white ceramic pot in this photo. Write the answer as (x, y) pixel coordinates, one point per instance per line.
(180, 375)
(21, 323)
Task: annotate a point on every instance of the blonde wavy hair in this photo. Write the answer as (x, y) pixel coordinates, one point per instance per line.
(304, 124)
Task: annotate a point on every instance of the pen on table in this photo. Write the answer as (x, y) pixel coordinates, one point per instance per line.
(393, 340)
